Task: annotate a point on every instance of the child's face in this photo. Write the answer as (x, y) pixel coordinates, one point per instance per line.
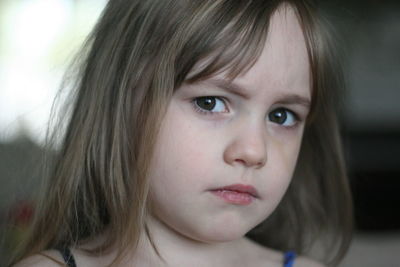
(247, 133)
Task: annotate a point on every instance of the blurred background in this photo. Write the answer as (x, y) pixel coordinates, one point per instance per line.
(39, 37)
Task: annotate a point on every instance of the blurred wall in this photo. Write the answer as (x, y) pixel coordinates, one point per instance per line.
(371, 41)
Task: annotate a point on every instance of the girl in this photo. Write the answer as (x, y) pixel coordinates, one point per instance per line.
(192, 120)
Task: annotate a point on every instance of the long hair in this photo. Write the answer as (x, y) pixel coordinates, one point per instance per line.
(138, 54)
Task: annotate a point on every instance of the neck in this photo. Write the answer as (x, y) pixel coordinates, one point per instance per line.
(175, 249)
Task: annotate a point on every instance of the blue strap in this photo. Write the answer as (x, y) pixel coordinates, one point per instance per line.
(290, 256)
(67, 256)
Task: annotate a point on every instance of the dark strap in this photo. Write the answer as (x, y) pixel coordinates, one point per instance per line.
(67, 256)
(290, 256)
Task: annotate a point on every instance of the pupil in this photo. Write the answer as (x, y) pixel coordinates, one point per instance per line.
(279, 116)
(207, 103)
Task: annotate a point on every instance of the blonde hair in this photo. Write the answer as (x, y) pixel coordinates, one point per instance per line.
(138, 54)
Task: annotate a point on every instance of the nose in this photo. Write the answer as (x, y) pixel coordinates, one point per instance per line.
(248, 148)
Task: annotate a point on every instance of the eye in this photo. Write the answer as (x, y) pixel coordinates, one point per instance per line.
(210, 104)
(283, 117)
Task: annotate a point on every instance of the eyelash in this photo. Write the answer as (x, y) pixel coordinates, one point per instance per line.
(208, 112)
(202, 111)
(296, 118)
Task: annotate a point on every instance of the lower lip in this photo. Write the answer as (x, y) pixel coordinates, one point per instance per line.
(234, 197)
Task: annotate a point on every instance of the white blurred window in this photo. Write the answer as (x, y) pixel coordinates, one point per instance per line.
(37, 39)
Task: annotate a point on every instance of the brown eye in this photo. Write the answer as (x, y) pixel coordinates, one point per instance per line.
(283, 117)
(206, 103)
(210, 104)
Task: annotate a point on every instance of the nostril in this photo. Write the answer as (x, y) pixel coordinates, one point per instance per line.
(249, 163)
(241, 161)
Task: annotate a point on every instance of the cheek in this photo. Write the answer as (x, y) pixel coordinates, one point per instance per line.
(183, 155)
(289, 148)
(281, 165)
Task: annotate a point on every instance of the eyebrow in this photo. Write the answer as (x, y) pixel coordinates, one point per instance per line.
(229, 86)
(289, 99)
(285, 98)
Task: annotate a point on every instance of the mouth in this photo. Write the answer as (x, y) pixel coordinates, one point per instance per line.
(237, 194)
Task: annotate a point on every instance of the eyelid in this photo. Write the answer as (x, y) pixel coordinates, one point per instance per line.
(297, 119)
(299, 114)
(208, 112)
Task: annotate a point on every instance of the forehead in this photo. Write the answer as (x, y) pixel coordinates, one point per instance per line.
(284, 61)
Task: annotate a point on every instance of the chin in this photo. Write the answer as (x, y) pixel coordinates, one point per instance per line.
(217, 238)
(220, 233)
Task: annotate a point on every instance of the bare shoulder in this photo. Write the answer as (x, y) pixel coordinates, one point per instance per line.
(49, 258)
(302, 261)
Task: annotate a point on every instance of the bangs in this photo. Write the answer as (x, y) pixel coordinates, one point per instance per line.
(227, 36)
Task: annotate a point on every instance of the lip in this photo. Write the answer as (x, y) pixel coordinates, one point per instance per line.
(237, 194)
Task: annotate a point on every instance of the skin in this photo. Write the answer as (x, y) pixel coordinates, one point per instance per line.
(236, 142)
